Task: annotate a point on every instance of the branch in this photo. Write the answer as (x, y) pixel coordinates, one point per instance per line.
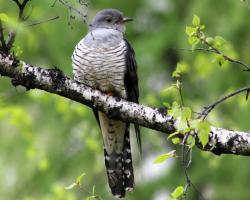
(221, 141)
(21, 18)
(209, 108)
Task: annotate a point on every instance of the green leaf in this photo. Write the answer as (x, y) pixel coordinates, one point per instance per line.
(203, 136)
(191, 141)
(163, 157)
(79, 178)
(186, 113)
(71, 186)
(19, 67)
(195, 44)
(173, 134)
(176, 112)
(187, 130)
(191, 40)
(219, 59)
(178, 68)
(178, 192)
(196, 20)
(194, 124)
(167, 105)
(174, 73)
(170, 88)
(178, 84)
(176, 140)
(18, 51)
(210, 41)
(202, 34)
(182, 125)
(204, 126)
(175, 105)
(170, 198)
(202, 27)
(190, 30)
(91, 197)
(220, 41)
(4, 17)
(93, 190)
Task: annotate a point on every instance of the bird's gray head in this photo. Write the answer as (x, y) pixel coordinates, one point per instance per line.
(109, 19)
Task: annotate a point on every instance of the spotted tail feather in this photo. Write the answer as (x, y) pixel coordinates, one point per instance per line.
(119, 164)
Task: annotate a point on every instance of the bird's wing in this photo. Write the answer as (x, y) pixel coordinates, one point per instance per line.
(131, 83)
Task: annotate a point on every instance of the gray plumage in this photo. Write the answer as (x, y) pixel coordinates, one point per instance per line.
(105, 60)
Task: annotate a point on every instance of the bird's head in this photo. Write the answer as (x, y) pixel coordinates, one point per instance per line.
(109, 19)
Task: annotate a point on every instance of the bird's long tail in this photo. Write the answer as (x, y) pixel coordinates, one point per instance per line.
(118, 158)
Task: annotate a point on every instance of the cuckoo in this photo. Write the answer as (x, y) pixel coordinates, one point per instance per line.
(105, 60)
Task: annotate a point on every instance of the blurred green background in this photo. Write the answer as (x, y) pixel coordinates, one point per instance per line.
(47, 141)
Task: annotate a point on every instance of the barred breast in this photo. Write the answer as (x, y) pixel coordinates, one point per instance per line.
(100, 67)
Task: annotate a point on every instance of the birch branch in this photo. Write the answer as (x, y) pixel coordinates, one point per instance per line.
(221, 141)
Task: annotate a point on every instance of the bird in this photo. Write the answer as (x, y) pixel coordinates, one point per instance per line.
(105, 60)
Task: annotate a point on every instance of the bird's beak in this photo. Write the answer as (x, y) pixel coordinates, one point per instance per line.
(125, 19)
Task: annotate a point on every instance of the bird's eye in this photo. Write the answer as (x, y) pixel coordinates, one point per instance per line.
(109, 20)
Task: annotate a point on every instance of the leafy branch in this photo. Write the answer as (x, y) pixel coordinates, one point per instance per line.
(196, 35)
(78, 183)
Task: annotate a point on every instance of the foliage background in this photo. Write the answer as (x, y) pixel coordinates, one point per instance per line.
(46, 141)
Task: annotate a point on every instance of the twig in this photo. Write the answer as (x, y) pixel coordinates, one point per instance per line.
(70, 17)
(94, 196)
(184, 165)
(70, 7)
(12, 34)
(194, 49)
(209, 108)
(83, 3)
(215, 51)
(247, 4)
(41, 22)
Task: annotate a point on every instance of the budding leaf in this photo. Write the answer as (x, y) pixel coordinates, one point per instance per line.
(196, 42)
(182, 125)
(79, 178)
(190, 30)
(219, 59)
(176, 140)
(163, 157)
(220, 41)
(210, 41)
(202, 27)
(4, 17)
(204, 126)
(186, 113)
(71, 186)
(166, 104)
(203, 136)
(191, 141)
(173, 134)
(196, 20)
(178, 192)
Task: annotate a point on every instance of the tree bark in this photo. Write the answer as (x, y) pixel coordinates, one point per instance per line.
(221, 141)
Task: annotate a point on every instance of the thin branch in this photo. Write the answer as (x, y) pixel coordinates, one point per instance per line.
(71, 7)
(93, 195)
(83, 3)
(221, 141)
(209, 108)
(194, 49)
(12, 33)
(41, 22)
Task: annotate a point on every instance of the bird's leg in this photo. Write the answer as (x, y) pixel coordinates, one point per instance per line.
(110, 94)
